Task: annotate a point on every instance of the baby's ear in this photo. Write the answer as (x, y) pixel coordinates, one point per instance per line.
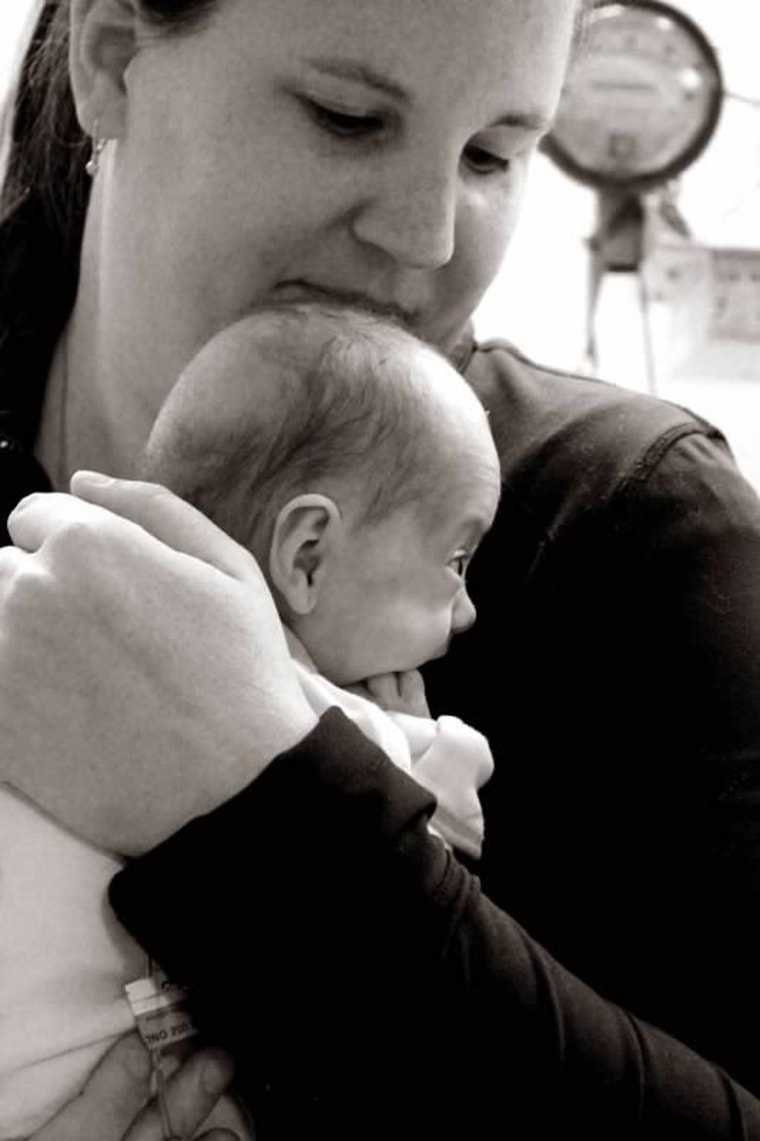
(307, 534)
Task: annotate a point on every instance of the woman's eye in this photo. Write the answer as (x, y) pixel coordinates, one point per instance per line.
(344, 124)
(483, 161)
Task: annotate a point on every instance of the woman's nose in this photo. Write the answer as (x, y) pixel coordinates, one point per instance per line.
(464, 612)
(412, 216)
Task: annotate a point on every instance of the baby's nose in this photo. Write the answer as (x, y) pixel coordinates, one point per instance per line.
(464, 612)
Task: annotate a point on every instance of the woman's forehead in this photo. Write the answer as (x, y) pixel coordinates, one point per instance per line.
(398, 46)
(386, 21)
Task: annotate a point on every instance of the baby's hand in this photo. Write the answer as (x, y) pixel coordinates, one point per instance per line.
(398, 692)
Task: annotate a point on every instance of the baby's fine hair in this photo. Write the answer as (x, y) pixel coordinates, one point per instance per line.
(346, 414)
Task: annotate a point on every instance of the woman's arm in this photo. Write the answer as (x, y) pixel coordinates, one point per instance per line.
(623, 818)
(688, 568)
(364, 983)
(375, 969)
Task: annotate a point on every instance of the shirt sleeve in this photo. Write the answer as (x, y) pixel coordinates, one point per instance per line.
(690, 537)
(690, 527)
(367, 987)
(623, 818)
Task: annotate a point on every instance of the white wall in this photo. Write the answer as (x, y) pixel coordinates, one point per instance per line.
(14, 15)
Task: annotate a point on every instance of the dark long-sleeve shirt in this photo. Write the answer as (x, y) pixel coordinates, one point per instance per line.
(615, 668)
(369, 989)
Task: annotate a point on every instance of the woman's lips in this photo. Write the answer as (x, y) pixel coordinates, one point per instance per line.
(337, 295)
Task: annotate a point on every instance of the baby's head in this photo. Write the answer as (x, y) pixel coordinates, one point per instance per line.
(354, 462)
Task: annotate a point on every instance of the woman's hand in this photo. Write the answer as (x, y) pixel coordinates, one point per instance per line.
(112, 1106)
(144, 676)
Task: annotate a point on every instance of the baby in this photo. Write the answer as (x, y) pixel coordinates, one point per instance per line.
(358, 468)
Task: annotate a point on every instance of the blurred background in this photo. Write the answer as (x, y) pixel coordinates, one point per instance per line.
(707, 362)
(700, 344)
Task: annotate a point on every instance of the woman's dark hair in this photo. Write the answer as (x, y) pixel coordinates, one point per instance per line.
(43, 202)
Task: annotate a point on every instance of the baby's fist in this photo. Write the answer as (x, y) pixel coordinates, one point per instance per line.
(402, 692)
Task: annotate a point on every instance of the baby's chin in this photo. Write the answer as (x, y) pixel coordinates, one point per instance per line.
(441, 652)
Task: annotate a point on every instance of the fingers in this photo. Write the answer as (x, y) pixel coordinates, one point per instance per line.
(167, 517)
(109, 1102)
(191, 1095)
(383, 690)
(39, 516)
(111, 1107)
(411, 688)
(399, 692)
(11, 560)
(99, 502)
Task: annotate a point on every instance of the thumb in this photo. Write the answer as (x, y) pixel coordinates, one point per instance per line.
(168, 518)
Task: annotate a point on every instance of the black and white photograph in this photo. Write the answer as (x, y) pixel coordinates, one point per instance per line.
(380, 570)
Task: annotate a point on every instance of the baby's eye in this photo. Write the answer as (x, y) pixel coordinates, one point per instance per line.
(460, 562)
(344, 124)
(482, 161)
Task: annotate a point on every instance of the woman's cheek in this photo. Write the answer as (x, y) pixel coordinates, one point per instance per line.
(486, 232)
(504, 218)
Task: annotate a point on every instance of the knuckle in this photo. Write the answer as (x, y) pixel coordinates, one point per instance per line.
(24, 504)
(74, 544)
(23, 589)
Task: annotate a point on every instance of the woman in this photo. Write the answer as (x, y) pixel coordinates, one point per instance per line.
(376, 153)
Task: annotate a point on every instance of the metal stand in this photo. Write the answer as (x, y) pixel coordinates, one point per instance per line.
(618, 245)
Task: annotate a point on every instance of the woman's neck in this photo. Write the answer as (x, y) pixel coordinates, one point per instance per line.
(88, 418)
(97, 411)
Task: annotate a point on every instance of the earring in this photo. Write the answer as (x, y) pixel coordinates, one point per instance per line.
(93, 163)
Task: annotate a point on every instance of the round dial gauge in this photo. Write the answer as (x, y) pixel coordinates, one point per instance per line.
(642, 101)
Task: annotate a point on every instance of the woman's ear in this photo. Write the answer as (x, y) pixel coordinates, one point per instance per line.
(104, 39)
(308, 533)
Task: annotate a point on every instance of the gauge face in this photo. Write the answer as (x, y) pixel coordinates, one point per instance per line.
(643, 100)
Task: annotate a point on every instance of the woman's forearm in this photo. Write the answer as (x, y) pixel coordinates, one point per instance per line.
(349, 961)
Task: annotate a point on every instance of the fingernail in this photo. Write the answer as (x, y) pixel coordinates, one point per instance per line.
(217, 1072)
(137, 1061)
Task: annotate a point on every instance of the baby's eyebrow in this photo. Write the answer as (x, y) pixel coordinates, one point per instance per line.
(473, 531)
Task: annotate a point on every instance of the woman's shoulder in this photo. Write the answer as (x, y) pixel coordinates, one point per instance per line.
(565, 437)
(538, 404)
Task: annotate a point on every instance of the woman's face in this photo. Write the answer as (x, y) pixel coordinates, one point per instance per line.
(372, 150)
